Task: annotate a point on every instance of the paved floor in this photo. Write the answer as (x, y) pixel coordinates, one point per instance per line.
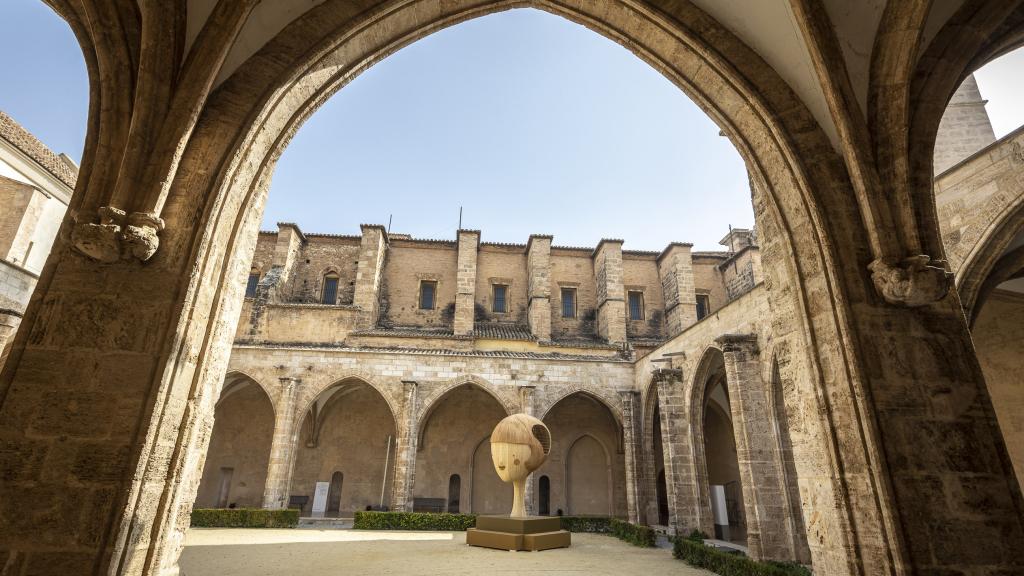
(253, 552)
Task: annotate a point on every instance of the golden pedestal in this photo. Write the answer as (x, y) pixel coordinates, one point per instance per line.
(514, 533)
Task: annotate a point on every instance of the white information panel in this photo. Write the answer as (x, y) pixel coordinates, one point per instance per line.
(718, 507)
(320, 499)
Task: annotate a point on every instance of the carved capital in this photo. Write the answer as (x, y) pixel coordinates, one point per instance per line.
(663, 376)
(118, 235)
(916, 281)
(738, 343)
(139, 237)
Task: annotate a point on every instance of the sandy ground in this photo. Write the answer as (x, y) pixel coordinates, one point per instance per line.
(253, 552)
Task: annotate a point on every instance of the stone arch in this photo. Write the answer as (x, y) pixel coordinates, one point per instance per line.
(437, 395)
(352, 415)
(310, 395)
(239, 449)
(235, 376)
(609, 496)
(253, 114)
(710, 357)
(576, 415)
(614, 409)
(986, 252)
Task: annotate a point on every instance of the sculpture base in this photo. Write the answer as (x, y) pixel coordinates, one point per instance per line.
(526, 533)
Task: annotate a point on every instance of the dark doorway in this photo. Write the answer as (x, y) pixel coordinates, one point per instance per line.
(662, 499)
(334, 493)
(545, 496)
(454, 488)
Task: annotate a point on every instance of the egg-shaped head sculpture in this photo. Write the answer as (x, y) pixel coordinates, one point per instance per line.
(519, 445)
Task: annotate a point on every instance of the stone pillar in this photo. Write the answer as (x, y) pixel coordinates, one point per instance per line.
(290, 240)
(9, 322)
(526, 407)
(611, 304)
(538, 278)
(680, 472)
(405, 451)
(465, 281)
(769, 526)
(372, 250)
(630, 439)
(675, 268)
(282, 447)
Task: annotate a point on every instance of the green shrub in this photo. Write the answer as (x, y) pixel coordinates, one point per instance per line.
(244, 518)
(590, 524)
(696, 553)
(413, 521)
(636, 535)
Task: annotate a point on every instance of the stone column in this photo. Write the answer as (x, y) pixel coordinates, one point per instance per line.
(611, 299)
(282, 447)
(9, 322)
(769, 524)
(465, 281)
(372, 249)
(675, 268)
(680, 472)
(538, 278)
(405, 451)
(630, 439)
(526, 407)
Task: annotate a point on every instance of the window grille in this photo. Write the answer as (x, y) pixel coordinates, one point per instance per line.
(636, 305)
(250, 287)
(500, 298)
(568, 302)
(428, 293)
(330, 291)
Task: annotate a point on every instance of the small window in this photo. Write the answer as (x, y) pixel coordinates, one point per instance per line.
(500, 299)
(329, 295)
(250, 287)
(636, 305)
(568, 302)
(428, 294)
(703, 306)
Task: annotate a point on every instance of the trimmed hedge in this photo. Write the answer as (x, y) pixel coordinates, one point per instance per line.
(244, 518)
(636, 535)
(413, 521)
(695, 553)
(591, 524)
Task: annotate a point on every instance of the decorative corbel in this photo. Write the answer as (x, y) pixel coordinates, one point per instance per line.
(118, 235)
(916, 281)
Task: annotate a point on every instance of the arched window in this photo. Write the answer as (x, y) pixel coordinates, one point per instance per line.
(253, 282)
(454, 488)
(329, 293)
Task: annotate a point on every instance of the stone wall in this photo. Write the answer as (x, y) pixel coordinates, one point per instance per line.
(242, 431)
(999, 341)
(965, 127)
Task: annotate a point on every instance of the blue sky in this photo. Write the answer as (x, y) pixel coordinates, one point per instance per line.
(530, 123)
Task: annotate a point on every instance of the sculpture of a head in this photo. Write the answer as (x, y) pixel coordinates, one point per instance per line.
(519, 445)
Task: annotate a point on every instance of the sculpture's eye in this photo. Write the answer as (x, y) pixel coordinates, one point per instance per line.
(516, 462)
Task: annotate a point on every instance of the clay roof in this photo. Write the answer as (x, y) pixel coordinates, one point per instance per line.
(498, 331)
(435, 352)
(30, 146)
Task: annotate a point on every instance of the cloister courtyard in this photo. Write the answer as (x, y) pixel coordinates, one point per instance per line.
(249, 552)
